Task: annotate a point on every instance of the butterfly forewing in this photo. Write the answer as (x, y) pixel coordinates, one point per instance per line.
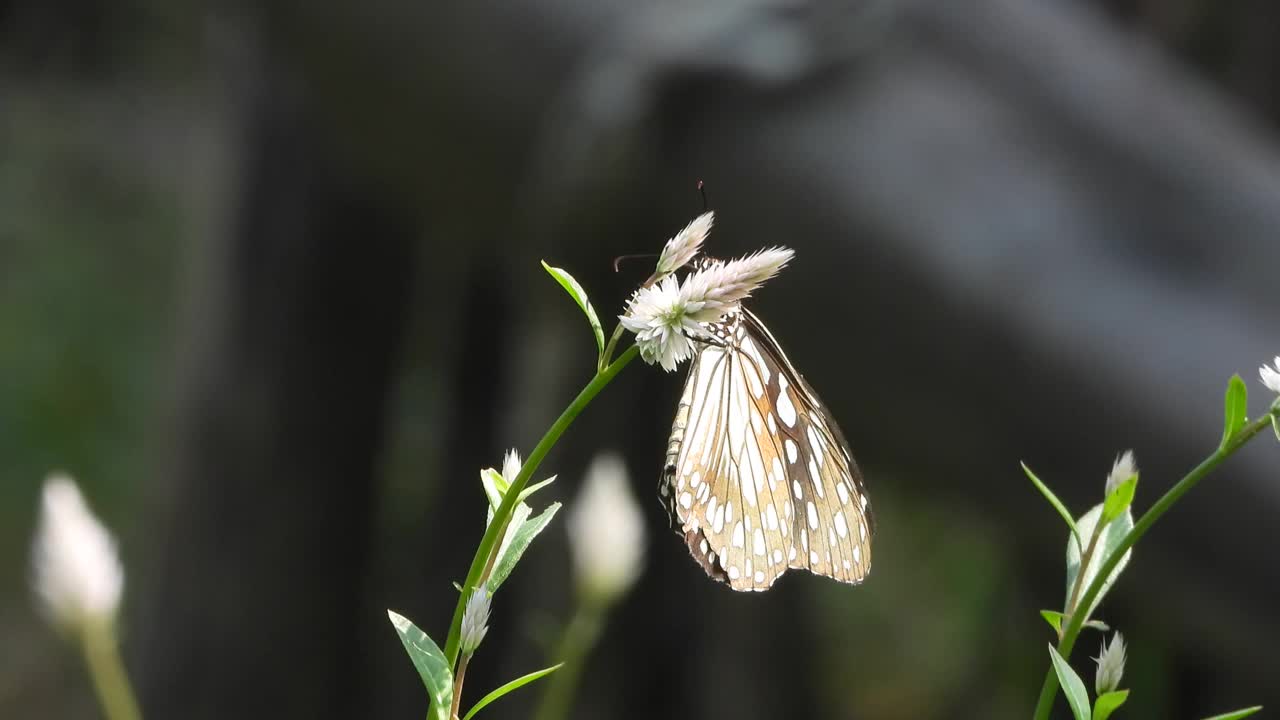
(758, 477)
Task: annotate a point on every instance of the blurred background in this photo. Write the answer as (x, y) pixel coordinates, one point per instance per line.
(269, 288)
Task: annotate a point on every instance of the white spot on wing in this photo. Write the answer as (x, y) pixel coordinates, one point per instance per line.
(786, 411)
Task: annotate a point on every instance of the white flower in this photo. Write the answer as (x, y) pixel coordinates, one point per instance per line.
(510, 469)
(684, 246)
(76, 572)
(606, 530)
(669, 316)
(1271, 376)
(720, 286)
(662, 319)
(1124, 469)
(475, 620)
(1110, 665)
(511, 466)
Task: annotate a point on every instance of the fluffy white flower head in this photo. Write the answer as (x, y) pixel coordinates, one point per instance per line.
(511, 466)
(475, 620)
(76, 572)
(606, 530)
(1271, 376)
(720, 286)
(668, 316)
(682, 248)
(663, 321)
(1124, 469)
(1110, 665)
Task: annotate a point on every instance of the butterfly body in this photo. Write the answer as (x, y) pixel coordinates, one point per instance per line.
(758, 477)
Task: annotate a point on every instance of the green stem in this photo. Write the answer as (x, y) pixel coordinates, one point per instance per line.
(1049, 689)
(607, 355)
(106, 669)
(457, 686)
(502, 516)
(578, 639)
(1085, 559)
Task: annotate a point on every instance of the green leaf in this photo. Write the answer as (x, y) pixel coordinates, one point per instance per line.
(513, 685)
(1246, 712)
(1072, 686)
(524, 534)
(430, 662)
(495, 487)
(1236, 404)
(1054, 619)
(535, 488)
(578, 294)
(1108, 702)
(1112, 534)
(1097, 625)
(1275, 425)
(1054, 501)
(1120, 499)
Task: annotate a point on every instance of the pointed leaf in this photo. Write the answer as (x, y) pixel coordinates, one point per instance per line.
(1243, 713)
(1055, 502)
(1235, 404)
(1072, 686)
(430, 662)
(535, 488)
(519, 517)
(1054, 619)
(1275, 425)
(580, 296)
(1112, 534)
(513, 685)
(520, 540)
(1119, 499)
(1108, 702)
(495, 487)
(1097, 625)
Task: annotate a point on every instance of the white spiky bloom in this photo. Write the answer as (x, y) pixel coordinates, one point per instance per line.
(475, 620)
(666, 316)
(77, 574)
(606, 530)
(722, 285)
(1110, 664)
(1125, 468)
(682, 248)
(511, 465)
(663, 321)
(1271, 376)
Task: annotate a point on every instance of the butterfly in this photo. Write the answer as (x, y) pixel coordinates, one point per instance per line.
(758, 477)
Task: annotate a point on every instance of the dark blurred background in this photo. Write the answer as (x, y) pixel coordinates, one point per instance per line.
(269, 288)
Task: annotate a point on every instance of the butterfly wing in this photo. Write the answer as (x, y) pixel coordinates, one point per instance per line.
(758, 476)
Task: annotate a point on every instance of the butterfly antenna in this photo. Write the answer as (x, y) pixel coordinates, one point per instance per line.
(702, 190)
(617, 262)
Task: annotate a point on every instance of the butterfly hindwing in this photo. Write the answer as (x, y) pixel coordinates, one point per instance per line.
(758, 477)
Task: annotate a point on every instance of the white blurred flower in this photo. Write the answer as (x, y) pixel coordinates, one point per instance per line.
(1110, 665)
(1124, 469)
(77, 574)
(606, 530)
(475, 620)
(662, 319)
(1271, 376)
(684, 246)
